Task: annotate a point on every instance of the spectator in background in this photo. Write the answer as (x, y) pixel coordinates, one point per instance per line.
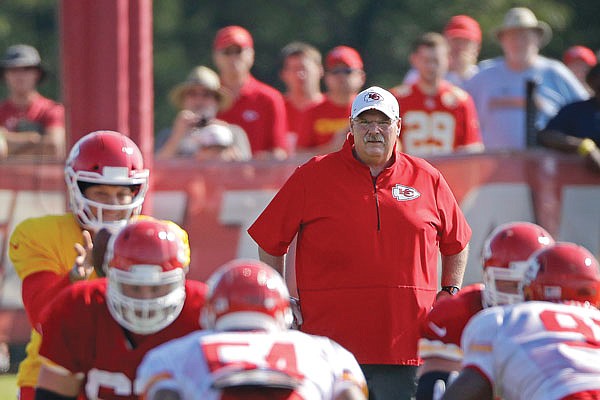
(301, 71)
(464, 39)
(499, 88)
(196, 132)
(255, 106)
(579, 60)
(30, 124)
(438, 117)
(576, 127)
(326, 124)
(371, 223)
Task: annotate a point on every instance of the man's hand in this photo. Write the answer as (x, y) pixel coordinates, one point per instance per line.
(592, 160)
(83, 266)
(296, 312)
(101, 239)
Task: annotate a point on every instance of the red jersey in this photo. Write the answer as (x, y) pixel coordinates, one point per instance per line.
(296, 116)
(437, 124)
(442, 329)
(367, 248)
(260, 111)
(80, 335)
(322, 122)
(41, 114)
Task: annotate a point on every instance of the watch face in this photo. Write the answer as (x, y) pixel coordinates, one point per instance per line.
(450, 289)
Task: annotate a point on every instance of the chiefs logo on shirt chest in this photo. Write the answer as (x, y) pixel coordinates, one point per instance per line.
(404, 193)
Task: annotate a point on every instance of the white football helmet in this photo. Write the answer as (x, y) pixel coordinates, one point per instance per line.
(505, 255)
(106, 158)
(246, 294)
(146, 266)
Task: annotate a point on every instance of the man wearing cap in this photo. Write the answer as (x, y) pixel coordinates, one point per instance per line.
(371, 222)
(580, 59)
(464, 40)
(326, 124)
(30, 124)
(196, 128)
(439, 118)
(576, 127)
(499, 89)
(255, 106)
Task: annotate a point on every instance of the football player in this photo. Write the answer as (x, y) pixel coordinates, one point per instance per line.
(505, 253)
(249, 351)
(97, 332)
(106, 185)
(545, 348)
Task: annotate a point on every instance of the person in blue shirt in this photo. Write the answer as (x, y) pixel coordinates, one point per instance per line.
(576, 127)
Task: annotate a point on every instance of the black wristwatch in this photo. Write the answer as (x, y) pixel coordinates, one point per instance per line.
(451, 289)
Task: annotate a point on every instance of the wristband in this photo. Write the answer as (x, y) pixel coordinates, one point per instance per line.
(586, 146)
(451, 289)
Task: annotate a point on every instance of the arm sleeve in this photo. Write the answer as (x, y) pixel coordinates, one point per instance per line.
(67, 329)
(347, 372)
(455, 232)
(277, 225)
(478, 341)
(38, 290)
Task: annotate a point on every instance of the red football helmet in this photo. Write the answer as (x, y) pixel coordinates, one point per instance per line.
(562, 272)
(246, 294)
(505, 255)
(146, 263)
(108, 158)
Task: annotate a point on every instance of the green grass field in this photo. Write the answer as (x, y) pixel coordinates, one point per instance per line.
(8, 387)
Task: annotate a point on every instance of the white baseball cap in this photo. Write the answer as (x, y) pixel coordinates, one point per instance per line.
(376, 98)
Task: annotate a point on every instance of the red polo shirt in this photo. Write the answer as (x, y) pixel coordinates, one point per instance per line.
(366, 261)
(260, 111)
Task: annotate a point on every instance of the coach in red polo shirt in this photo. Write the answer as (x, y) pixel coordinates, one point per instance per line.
(255, 106)
(371, 222)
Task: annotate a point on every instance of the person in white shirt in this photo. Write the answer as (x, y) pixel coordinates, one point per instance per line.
(499, 89)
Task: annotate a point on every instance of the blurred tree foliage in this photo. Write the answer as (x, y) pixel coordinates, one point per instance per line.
(381, 31)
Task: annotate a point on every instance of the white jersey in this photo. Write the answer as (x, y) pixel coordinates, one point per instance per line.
(191, 363)
(535, 350)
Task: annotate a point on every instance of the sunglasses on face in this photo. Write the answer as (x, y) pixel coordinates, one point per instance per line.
(341, 70)
(231, 51)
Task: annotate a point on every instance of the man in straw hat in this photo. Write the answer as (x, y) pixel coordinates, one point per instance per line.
(30, 124)
(196, 132)
(499, 89)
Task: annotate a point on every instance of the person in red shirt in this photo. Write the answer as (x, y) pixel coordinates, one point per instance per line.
(439, 118)
(326, 124)
(301, 71)
(30, 124)
(371, 222)
(256, 107)
(95, 333)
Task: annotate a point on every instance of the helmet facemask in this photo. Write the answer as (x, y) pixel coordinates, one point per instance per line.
(503, 285)
(145, 315)
(84, 208)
